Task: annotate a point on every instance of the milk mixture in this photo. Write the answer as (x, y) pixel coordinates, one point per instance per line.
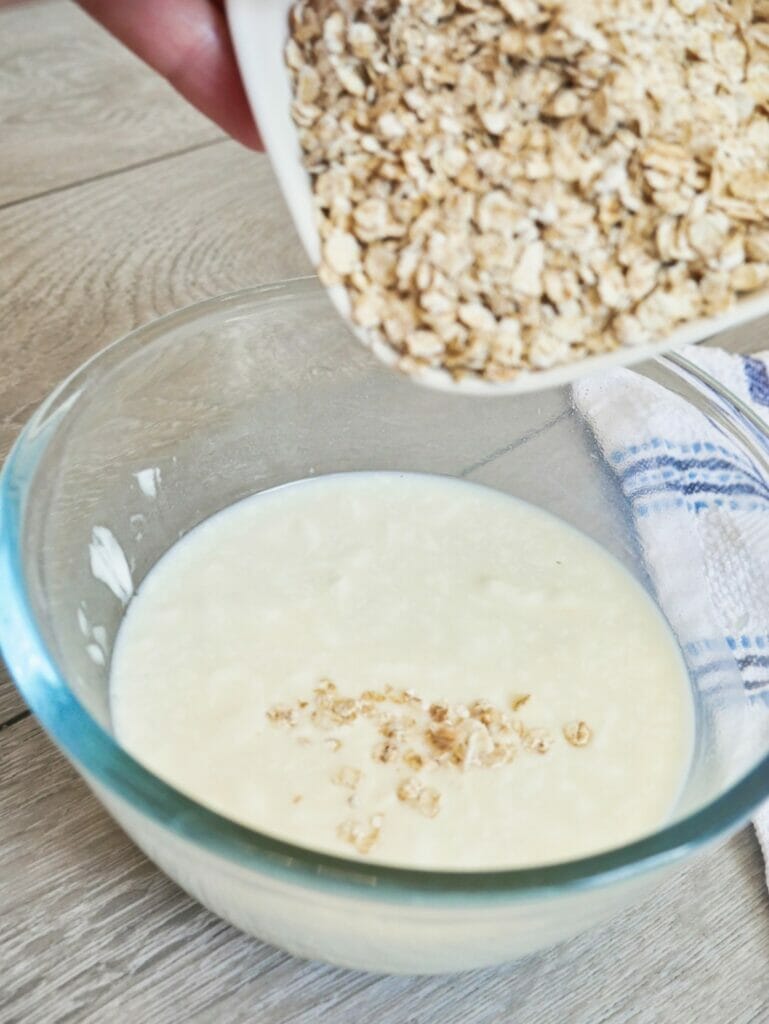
(406, 669)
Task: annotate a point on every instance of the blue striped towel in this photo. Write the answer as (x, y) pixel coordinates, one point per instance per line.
(698, 502)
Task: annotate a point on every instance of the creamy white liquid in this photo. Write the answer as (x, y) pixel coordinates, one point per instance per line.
(450, 589)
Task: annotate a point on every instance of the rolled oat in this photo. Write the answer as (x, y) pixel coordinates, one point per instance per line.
(507, 185)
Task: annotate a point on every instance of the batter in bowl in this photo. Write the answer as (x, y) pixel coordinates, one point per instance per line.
(409, 669)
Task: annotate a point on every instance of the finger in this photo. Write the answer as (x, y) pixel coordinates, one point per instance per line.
(187, 42)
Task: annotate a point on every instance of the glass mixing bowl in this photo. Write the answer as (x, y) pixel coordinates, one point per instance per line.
(245, 392)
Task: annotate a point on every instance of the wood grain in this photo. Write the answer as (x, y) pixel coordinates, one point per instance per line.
(74, 104)
(12, 707)
(130, 221)
(92, 933)
(82, 267)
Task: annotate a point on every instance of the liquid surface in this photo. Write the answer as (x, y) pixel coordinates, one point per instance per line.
(380, 582)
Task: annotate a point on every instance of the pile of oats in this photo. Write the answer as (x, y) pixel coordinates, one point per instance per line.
(507, 185)
(414, 737)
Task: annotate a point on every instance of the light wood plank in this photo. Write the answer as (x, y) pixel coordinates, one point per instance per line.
(75, 104)
(82, 267)
(11, 704)
(93, 932)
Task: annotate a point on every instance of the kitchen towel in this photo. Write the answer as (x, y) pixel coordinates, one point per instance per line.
(701, 512)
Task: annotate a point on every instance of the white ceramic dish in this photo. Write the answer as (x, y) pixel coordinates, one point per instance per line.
(260, 30)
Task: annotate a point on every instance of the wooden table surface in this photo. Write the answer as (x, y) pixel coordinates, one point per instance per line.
(119, 203)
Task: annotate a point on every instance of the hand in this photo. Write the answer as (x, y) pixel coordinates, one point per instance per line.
(188, 43)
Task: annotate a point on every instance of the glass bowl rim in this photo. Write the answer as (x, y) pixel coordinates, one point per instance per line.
(105, 764)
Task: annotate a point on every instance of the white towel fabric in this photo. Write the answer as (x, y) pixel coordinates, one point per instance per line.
(701, 514)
